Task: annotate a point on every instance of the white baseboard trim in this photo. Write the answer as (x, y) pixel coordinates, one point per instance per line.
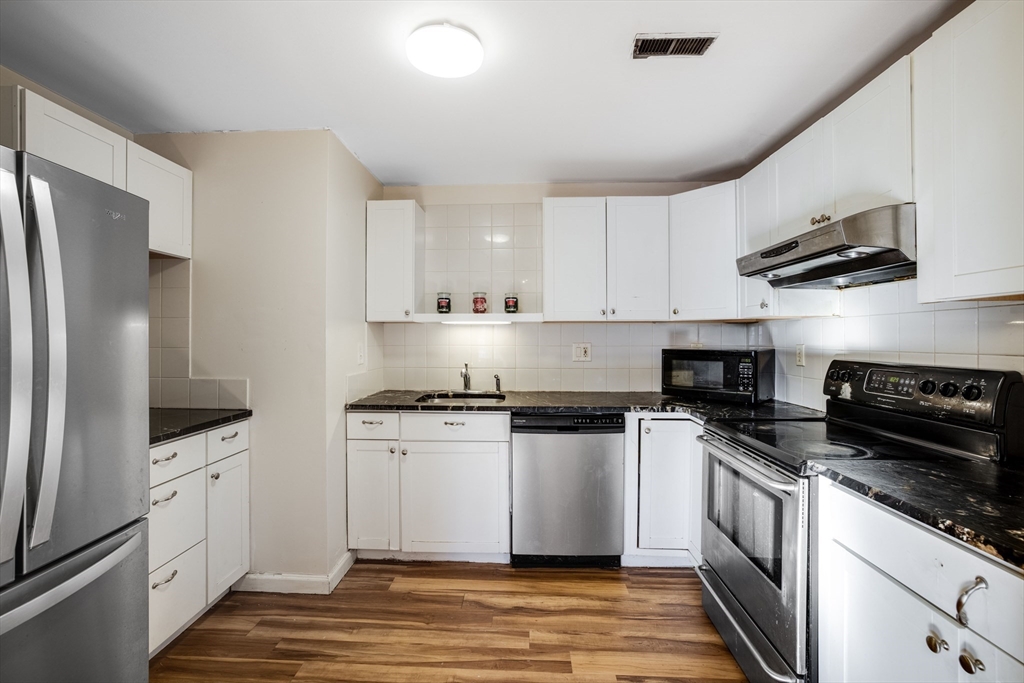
(684, 560)
(495, 558)
(340, 569)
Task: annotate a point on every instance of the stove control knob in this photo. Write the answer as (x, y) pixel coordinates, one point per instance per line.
(844, 375)
(927, 387)
(972, 392)
(833, 374)
(949, 389)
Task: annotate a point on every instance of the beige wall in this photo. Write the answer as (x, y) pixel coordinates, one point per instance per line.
(270, 212)
(529, 193)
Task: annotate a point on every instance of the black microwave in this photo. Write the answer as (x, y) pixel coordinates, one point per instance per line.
(746, 376)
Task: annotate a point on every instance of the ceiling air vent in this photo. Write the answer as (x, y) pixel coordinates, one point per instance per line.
(671, 45)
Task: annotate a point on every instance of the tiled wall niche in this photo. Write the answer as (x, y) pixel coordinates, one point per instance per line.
(170, 385)
(492, 248)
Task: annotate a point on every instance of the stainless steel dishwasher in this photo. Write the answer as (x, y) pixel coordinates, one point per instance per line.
(567, 489)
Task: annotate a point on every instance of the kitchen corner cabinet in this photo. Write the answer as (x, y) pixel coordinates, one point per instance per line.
(638, 258)
(168, 187)
(968, 110)
(702, 243)
(670, 486)
(56, 134)
(395, 252)
(575, 259)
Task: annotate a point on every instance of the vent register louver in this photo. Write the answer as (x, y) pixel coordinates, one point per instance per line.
(671, 45)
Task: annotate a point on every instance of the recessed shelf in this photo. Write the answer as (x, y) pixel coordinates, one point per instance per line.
(478, 318)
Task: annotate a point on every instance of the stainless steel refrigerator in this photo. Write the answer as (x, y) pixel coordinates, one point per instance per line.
(74, 426)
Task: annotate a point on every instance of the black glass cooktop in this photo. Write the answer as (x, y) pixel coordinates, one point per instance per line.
(796, 443)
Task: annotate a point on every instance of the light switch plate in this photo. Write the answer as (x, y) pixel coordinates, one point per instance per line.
(581, 353)
(801, 357)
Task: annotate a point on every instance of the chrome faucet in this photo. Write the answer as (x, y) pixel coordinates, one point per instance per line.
(464, 374)
(497, 383)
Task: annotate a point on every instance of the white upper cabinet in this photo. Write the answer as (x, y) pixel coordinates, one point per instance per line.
(796, 179)
(969, 154)
(575, 261)
(702, 243)
(638, 258)
(63, 137)
(867, 146)
(168, 187)
(395, 234)
(754, 233)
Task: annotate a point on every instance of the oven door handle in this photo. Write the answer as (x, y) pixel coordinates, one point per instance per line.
(784, 486)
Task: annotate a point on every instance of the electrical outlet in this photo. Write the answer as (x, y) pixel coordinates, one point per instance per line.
(581, 353)
(696, 345)
(801, 358)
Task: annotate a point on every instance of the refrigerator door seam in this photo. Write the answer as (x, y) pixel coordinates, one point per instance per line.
(57, 362)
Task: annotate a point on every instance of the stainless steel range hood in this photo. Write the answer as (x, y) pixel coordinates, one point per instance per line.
(878, 245)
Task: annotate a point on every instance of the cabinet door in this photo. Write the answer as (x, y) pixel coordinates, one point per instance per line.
(874, 630)
(63, 137)
(702, 242)
(667, 507)
(373, 495)
(168, 187)
(638, 258)
(796, 180)
(969, 155)
(867, 145)
(575, 259)
(754, 233)
(455, 497)
(999, 667)
(227, 522)
(395, 234)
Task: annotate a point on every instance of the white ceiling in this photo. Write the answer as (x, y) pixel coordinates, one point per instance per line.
(558, 97)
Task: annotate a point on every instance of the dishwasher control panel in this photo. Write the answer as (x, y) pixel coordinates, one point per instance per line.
(599, 420)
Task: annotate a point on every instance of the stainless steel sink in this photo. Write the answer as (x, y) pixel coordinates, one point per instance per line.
(461, 398)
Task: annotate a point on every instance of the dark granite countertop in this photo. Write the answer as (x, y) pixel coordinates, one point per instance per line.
(170, 423)
(591, 402)
(977, 502)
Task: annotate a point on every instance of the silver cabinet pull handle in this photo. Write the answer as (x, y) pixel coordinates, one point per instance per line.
(373, 422)
(675, 311)
(405, 452)
(613, 311)
(407, 312)
(764, 304)
(935, 643)
(602, 311)
(20, 406)
(392, 449)
(647, 430)
(455, 424)
(965, 595)
(215, 476)
(166, 458)
(163, 581)
(970, 663)
(57, 361)
(157, 501)
(229, 436)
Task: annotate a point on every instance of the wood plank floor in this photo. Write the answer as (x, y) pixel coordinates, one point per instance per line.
(452, 622)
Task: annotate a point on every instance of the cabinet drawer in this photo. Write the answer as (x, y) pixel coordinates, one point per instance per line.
(455, 426)
(227, 440)
(936, 569)
(177, 517)
(173, 603)
(373, 426)
(175, 458)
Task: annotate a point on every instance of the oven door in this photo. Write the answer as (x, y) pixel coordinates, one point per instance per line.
(754, 537)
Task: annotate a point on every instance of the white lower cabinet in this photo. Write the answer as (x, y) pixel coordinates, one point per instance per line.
(455, 497)
(177, 593)
(669, 478)
(177, 517)
(227, 522)
(373, 494)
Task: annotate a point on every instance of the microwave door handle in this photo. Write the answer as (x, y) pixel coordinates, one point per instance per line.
(784, 486)
(12, 236)
(57, 360)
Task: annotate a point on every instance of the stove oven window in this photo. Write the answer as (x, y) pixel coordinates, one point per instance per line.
(749, 516)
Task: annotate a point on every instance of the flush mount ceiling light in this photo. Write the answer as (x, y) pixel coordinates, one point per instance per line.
(444, 50)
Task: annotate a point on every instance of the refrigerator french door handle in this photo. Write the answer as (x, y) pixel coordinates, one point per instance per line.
(33, 608)
(57, 361)
(12, 230)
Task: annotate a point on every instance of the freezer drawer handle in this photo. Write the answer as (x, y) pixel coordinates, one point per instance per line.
(228, 436)
(20, 312)
(33, 608)
(170, 578)
(57, 371)
(157, 501)
(166, 458)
